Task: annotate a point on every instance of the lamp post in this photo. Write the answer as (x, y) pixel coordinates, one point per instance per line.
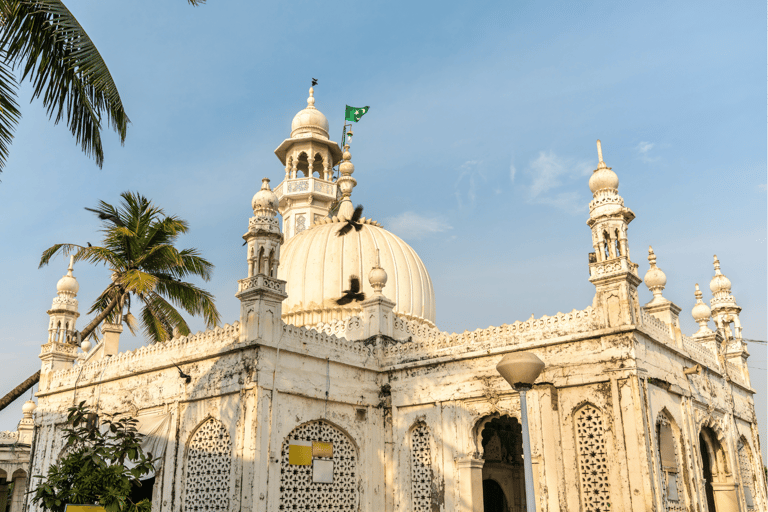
(521, 369)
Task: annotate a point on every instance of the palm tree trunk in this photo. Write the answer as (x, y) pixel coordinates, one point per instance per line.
(19, 390)
(34, 379)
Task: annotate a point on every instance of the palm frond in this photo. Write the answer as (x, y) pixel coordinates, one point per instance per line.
(9, 109)
(50, 252)
(136, 281)
(66, 69)
(194, 300)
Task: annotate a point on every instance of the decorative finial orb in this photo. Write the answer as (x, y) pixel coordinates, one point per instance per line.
(346, 167)
(86, 345)
(719, 282)
(311, 99)
(655, 279)
(28, 408)
(700, 311)
(264, 202)
(378, 278)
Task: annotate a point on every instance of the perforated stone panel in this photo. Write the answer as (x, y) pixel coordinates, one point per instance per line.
(593, 460)
(208, 466)
(747, 477)
(421, 469)
(298, 492)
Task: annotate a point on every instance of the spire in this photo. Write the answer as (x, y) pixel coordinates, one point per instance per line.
(311, 99)
(600, 164)
(346, 183)
(724, 308)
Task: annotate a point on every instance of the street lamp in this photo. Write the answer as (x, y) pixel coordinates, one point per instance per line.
(520, 369)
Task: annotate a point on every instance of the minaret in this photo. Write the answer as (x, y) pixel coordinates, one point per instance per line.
(306, 194)
(610, 269)
(725, 312)
(261, 294)
(61, 348)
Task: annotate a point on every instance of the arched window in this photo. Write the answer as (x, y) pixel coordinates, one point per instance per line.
(747, 475)
(421, 469)
(208, 469)
(669, 459)
(318, 470)
(593, 459)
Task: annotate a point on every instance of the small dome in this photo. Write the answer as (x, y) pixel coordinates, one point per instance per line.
(28, 407)
(719, 281)
(603, 178)
(700, 311)
(68, 283)
(309, 121)
(264, 201)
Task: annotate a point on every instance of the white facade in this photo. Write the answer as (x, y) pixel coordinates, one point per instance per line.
(630, 414)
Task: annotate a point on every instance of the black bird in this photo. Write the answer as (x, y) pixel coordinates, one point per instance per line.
(352, 222)
(353, 294)
(245, 243)
(89, 244)
(314, 82)
(183, 375)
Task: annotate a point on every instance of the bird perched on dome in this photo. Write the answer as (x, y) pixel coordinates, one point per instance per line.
(353, 294)
(352, 222)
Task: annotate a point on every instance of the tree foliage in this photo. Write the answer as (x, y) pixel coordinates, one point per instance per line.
(93, 469)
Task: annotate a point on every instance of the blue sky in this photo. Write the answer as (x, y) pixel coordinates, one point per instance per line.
(476, 150)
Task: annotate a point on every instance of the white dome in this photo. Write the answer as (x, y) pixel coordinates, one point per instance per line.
(317, 265)
(309, 121)
(719, 282)
(68, 284)
(264, 201)
(603, 178)
(655, 277)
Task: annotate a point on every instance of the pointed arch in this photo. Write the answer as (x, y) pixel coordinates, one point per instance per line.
(302, 164)
(317, 165)
(271, 268)
(592, 456)
(208, 467)
(319, 466)
(746, 470)
(671, 462)
(260, 264)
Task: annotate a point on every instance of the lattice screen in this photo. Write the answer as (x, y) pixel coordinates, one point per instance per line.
(747, 477)
(421, 469)
(208, 466)
(299, 492)
(593, 460)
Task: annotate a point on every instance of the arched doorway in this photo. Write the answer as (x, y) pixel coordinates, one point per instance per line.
(501, 439)
(493, 497)
(706, 469)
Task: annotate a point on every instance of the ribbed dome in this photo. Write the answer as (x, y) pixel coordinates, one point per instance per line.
(309, 121)
(317, 265)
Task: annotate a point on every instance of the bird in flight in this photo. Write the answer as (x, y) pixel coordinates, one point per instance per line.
(183, 375)
(353, 294)
(353, 222)
(314, 82)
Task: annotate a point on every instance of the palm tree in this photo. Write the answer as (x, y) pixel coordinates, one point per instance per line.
(43, 40)
(138, 247)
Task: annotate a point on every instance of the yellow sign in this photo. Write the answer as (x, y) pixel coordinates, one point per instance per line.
(300, 453)
(84, 508)
(320, 449)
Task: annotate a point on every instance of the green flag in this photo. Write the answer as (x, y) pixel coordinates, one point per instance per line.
(354, 113)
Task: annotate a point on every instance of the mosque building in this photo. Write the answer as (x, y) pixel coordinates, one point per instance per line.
(336, 391)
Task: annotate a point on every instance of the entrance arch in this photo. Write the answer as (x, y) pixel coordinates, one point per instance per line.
(501, 440)
(719, 486)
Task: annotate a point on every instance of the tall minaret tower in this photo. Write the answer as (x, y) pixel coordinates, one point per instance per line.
(306, 194)
(262, 294)
(60, 351)
(610, 269)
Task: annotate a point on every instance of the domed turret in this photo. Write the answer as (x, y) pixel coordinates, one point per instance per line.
(28, 408)
(264, 202)
(63, 312)
(309, 121)
(719, 282)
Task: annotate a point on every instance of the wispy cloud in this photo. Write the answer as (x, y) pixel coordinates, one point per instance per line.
(557, 181)
(415, 226)
(644, 150)
(512, 171)
(465, 188)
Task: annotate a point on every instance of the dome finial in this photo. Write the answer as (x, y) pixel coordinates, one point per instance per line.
(71, 265)
(311, 99)
(701, 314)
(346, 183)
(717, 266)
